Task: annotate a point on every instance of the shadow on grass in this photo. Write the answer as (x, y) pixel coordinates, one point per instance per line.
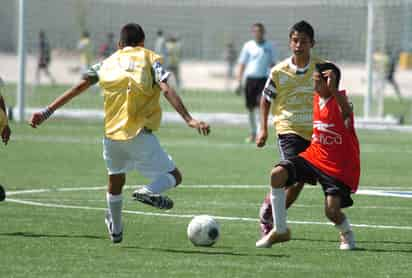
(34, 235)
(205, 251)
(358, 241)
(361, 249)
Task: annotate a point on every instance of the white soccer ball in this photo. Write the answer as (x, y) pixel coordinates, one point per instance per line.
(203, 230)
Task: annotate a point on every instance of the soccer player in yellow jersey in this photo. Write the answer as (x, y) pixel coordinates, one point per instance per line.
(288, 93)
(132, 80)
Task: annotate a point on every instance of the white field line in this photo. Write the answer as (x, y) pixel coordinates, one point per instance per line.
(365, 148)
(225, 218)
(244, 205)
(370, 191)
(219, 118)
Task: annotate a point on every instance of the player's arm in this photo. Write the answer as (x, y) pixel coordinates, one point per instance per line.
(161, 76)
(38, 117)
(268, 94)
(6, 132)
(177, 103)
(341, 99)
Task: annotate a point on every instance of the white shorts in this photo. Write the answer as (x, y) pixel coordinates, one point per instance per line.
(142, 153)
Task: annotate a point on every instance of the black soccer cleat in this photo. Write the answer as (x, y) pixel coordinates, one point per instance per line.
(154, 200)
(2, 193)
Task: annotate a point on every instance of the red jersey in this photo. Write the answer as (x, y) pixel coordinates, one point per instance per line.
(334, 148)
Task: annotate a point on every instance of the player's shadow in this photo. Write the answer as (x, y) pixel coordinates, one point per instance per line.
(205, 251)
(35, 235)
(362, 249)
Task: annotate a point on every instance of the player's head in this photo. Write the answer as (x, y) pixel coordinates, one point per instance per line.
(320, 81)
(160, 33)
(132, 34)
(258, 32)
(42, 35)
(86, 34)
(301, 38)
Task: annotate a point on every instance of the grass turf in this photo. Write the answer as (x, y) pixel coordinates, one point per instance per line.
(62, 242)
(196, 100)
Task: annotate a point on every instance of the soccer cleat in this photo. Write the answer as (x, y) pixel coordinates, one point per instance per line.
(2, 193)
(271, 238)
(115, 238)
(347, 241)
(151, 199)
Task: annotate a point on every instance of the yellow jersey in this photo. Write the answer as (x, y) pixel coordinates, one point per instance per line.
(291, 92)
(131, 92)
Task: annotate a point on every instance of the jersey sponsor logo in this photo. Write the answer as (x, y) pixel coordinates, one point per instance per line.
(326, 136)
(297, 99)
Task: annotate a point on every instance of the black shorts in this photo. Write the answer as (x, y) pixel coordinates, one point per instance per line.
(300, 170)
(253, 91)
(290, 145)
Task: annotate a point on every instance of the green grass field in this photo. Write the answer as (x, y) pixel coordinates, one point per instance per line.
(62, 233)
(197, 100)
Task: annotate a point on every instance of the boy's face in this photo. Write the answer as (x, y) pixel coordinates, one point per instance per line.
(258, 33)
(300, 44)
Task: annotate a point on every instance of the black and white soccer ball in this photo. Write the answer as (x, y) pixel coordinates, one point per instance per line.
(203, 230)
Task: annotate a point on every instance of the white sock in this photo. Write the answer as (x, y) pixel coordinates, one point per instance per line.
(252, 122)
(278, 200)
(161, 184)
(344, 227)
(114, 203)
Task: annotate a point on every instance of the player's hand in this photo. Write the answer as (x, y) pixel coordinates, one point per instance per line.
(261, 138)
(202, 127)
(36, 119)
(238, 90)
(330, 80)
(5, 134)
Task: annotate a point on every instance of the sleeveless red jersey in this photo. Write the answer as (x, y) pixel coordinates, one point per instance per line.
(334, 148)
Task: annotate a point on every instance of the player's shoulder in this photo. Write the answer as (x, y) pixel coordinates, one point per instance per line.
(318, 60)
(281, 66)
(249, 44)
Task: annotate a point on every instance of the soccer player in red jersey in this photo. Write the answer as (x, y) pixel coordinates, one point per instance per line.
(332, 159)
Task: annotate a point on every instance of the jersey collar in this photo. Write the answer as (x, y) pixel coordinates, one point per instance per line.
(299, 71)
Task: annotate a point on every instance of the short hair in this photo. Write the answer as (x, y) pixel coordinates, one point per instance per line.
(330, 66)
(160, 32)
(131, 35)
(303, 27)
(85, 34)
(259, 25)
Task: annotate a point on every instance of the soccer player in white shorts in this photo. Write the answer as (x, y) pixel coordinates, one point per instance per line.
(132, 80)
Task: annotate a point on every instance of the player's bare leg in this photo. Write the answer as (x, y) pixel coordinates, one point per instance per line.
(334, 213)
(114, 203)
(280, 231)
(265, 213)
(151, 194)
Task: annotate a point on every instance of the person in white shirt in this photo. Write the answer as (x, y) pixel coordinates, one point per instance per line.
(255, 60)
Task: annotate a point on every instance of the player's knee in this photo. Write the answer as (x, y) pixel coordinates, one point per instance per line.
(332, 213)
(177, 175)
(278, 177)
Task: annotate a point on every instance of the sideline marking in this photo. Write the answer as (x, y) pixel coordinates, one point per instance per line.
(245, 219)
(368, 191)
(227, 218)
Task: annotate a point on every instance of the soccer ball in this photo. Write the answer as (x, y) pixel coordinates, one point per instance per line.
(203, 230)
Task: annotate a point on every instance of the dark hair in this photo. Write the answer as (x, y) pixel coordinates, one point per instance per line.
(303, 27)
(330, 66)
(260, 26)
(131, 35)
(85, 34)
(160, 32)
